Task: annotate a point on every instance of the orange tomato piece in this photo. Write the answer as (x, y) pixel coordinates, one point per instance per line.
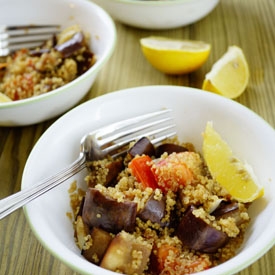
(165, 256)
(172, 172)
(141, 169)
(171, 261)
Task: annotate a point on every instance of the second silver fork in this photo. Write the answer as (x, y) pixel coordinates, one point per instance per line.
(112, 140)
(13, 38)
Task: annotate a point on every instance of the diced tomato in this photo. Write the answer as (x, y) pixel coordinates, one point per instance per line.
(201, 263)
(170, 261)
(141, 169)
(163, 253)
(172, 172)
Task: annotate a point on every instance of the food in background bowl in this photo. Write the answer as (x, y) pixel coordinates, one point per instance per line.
(32, 72)
(158, 210)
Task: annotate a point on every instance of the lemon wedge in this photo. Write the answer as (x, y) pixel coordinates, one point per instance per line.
(229, 75)
(4, 98)
(174, 56)
(236, 177)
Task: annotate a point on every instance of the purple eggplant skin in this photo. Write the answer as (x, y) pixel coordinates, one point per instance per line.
(228, 209)
(107, 213)
(69, 47)
(154, 210)
(142, 147)
(198, 235)
(169, 148)
(225, 208)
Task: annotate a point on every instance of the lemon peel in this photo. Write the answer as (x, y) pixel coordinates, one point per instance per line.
(174, 56)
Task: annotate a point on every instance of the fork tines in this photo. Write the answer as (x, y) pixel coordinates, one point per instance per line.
(26, 36)
(157, 126)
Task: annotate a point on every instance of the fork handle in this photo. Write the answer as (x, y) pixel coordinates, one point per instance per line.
(19, 199)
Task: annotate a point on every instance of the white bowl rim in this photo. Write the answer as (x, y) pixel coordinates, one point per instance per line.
(155, 2)
(261, 248)
(94, 69)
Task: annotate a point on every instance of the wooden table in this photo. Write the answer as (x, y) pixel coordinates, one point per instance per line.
(246, 23)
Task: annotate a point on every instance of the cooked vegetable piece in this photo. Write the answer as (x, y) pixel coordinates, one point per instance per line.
(70, 46)
(107, 213)
(114, 168)
(142, 147)
(172, 172)
(169, 148)
(198, 235)
(100, 240)
(141, 169)
(104, 172)
(154, 210)
(168, 259)
(162, 253)
(127, 254)
(229, 209)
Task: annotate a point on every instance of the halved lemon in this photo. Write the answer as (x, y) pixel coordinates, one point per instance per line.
(4, 98)
(229, 75)
(174, 56)
(235, 176)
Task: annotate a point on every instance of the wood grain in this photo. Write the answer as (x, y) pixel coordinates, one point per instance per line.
(247, 23)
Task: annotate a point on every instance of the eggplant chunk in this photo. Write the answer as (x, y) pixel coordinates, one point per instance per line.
(169, 148)
(69, 47)
(100, 240)
(142, 146)
(127, 254)
(198, 235)
(229, 209)
(104, 172)
(114, 168)
(154, 210)
(107, 213)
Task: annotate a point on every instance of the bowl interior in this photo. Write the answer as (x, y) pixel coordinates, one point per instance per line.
(249, 136)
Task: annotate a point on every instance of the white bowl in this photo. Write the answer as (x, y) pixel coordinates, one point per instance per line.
(92, 19)
(250, 137)
(158, 14)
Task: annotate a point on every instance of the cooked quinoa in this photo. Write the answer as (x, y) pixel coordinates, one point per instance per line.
(127, 224)
(27, 73)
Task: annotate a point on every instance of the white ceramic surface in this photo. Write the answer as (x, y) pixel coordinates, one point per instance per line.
(250, 137)
(92, 19)
(158, 14)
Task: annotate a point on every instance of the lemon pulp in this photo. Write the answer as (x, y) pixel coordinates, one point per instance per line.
(174, 56)
(229, 75)
(228, 170)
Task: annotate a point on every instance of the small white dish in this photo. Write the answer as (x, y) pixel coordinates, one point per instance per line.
(158, 14)
(249, 136)
(92, 19)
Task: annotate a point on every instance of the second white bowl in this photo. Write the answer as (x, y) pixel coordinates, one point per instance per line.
(158, 14)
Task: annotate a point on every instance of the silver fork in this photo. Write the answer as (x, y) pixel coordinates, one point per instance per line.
(111, 140)
(13, 38)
